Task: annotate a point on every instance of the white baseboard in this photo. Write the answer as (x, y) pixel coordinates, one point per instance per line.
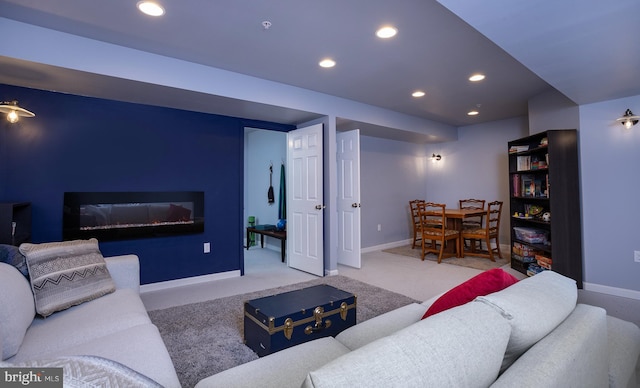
(188, 281)
(333, 272)
(615, 291)
(395, 244)
(381, 247)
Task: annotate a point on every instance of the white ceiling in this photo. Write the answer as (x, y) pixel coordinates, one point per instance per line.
(586, 49)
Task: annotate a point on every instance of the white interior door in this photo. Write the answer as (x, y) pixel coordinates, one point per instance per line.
(349, 198)
(305, 203)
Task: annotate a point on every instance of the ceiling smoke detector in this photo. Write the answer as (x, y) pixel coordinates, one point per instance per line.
(266, 24)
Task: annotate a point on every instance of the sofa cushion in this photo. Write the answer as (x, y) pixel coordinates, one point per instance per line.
(381, 326)
(534, 307)
(16, 309)
(91, 371)
(482, 284)
(11, 255)
(83, 323)
(64, 274)
(574, 354)
(461, 347)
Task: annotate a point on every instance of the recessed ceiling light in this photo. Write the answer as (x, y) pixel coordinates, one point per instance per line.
(150, 8)
(473, 113)
(328, 62)
(476, 77)
(418, 93)
(386, 32)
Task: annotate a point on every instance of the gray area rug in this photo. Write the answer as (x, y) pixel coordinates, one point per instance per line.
(480, 263)
(206, 338)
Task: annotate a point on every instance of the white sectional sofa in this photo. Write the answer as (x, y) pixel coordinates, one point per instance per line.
(531, 334)
(112, 334)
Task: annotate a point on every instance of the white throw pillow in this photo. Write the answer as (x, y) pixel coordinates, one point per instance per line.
(17, 309)
(65, 274)
(534, 307)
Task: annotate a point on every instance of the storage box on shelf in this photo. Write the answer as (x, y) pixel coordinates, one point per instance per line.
(545, 222)
(531, 235)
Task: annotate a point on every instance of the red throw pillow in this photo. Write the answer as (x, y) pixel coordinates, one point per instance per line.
(485, 283)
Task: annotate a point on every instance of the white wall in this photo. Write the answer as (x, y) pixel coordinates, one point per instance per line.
(475, 166)
(610, 159)
(262, 147)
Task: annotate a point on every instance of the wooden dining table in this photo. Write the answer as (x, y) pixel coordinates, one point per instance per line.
(455, 217)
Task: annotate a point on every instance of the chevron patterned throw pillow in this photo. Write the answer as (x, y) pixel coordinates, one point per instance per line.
(65, 274)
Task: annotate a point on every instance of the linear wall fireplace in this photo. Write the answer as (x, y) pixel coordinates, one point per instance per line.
(110, 216)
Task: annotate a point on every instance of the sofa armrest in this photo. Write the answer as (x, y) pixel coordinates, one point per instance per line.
(381, 326)
(427, 303)
(624, 352)
(125, 271)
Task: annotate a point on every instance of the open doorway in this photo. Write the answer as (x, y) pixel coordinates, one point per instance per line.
(265, 152)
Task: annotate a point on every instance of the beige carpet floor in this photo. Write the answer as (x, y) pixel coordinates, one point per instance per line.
(481, 263)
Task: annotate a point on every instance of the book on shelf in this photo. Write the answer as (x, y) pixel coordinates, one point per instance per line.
(518, 148)
(536, 163)
(547, 190)
(523, 163)
(530, 186)
(516, 185)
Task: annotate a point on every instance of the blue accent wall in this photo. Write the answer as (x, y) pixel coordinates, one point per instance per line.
(87, 144)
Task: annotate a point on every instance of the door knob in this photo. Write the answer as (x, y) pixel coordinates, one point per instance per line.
(320, 207)
(355, 204)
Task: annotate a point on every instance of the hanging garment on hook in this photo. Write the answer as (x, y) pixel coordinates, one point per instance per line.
(270, 196)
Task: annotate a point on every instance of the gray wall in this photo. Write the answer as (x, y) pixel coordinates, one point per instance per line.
(392, 173)
(552, 110)
(476, 166)
(610, 158)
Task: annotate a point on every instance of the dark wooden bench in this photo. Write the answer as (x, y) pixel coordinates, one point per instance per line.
(279, 234)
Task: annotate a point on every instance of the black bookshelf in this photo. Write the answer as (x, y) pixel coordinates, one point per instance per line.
(544, 178)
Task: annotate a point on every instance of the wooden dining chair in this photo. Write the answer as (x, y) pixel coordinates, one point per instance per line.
(475, 204)
(489, 231)
(471, 222)
(415, 220)
(433, 227)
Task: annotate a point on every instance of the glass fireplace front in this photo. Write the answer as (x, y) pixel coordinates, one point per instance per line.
(110, 216)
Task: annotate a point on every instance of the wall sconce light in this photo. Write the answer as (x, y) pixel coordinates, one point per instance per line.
(629, 119)
(435, 157)
(13, 111)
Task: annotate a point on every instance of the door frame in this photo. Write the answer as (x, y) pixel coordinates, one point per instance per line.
(330, 193)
